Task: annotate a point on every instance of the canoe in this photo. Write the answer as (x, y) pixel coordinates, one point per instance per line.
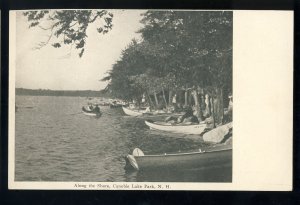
(90, 113)
(194, 129)
(144, 112)
(131, 112)
(206, 158)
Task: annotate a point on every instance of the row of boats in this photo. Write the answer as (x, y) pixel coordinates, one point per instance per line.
(206, 157)
(194, 129)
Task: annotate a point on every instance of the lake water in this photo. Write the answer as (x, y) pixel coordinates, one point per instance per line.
(54, 141)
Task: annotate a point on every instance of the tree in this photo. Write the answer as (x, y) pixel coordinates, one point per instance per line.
(131, 63)
(69, 26)
(179, 50)
(197, 47)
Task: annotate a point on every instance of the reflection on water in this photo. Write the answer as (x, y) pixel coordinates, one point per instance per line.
(56, 142)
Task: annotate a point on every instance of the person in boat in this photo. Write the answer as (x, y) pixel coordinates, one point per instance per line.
(91, 107)
(96, 109)
(187, 117)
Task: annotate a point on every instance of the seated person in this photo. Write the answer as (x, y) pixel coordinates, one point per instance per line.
(171, 119)
(191, 120)
(188, 113)
(96, 109)
(187, 117)
(91, 107)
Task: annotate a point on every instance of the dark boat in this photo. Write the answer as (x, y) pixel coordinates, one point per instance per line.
(91, 113)
(205, 158)
(104, 104)
(115, 105)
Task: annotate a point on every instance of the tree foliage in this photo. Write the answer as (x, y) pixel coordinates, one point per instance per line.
(179, 49)
(197, 46)
(69, 27)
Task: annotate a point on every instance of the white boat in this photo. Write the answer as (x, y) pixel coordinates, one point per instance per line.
(90, 113)
(195, 129)
(132, 112)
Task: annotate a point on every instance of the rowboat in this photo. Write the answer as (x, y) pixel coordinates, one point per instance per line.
(147, 113)
(90, 113)
(132, 112)
(193, 129)
(206, 158)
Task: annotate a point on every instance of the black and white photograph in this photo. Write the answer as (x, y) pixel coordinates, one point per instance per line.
(122, 99)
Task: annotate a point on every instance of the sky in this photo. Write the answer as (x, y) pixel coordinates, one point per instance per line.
(58, 68)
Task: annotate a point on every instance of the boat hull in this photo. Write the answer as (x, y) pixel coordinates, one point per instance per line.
(182, 161)
(89, 113)
(184, 129)
(132, 112)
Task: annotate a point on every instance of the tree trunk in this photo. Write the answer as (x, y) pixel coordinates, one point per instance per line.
(186, 98)
(150, 101)
(197, 106)
(170, 97)
(218, 108)
(190, 99)
(180, 95)
(156, 101)
(164, 96)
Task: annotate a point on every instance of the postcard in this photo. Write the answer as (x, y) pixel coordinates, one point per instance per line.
(143, 100)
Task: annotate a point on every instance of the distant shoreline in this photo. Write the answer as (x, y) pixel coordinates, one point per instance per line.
(71, 93)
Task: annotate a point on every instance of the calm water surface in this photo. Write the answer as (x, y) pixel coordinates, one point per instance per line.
(56, 142)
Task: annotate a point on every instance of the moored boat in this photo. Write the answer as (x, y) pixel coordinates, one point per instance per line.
(177, 128)
(104, 104)
(91, 113)
(132, 112)
(206, 158)
(114, 105)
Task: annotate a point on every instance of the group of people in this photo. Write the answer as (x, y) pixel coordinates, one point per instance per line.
(191, 114)
(188, 117)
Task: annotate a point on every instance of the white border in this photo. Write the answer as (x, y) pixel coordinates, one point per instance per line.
(263, 113)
